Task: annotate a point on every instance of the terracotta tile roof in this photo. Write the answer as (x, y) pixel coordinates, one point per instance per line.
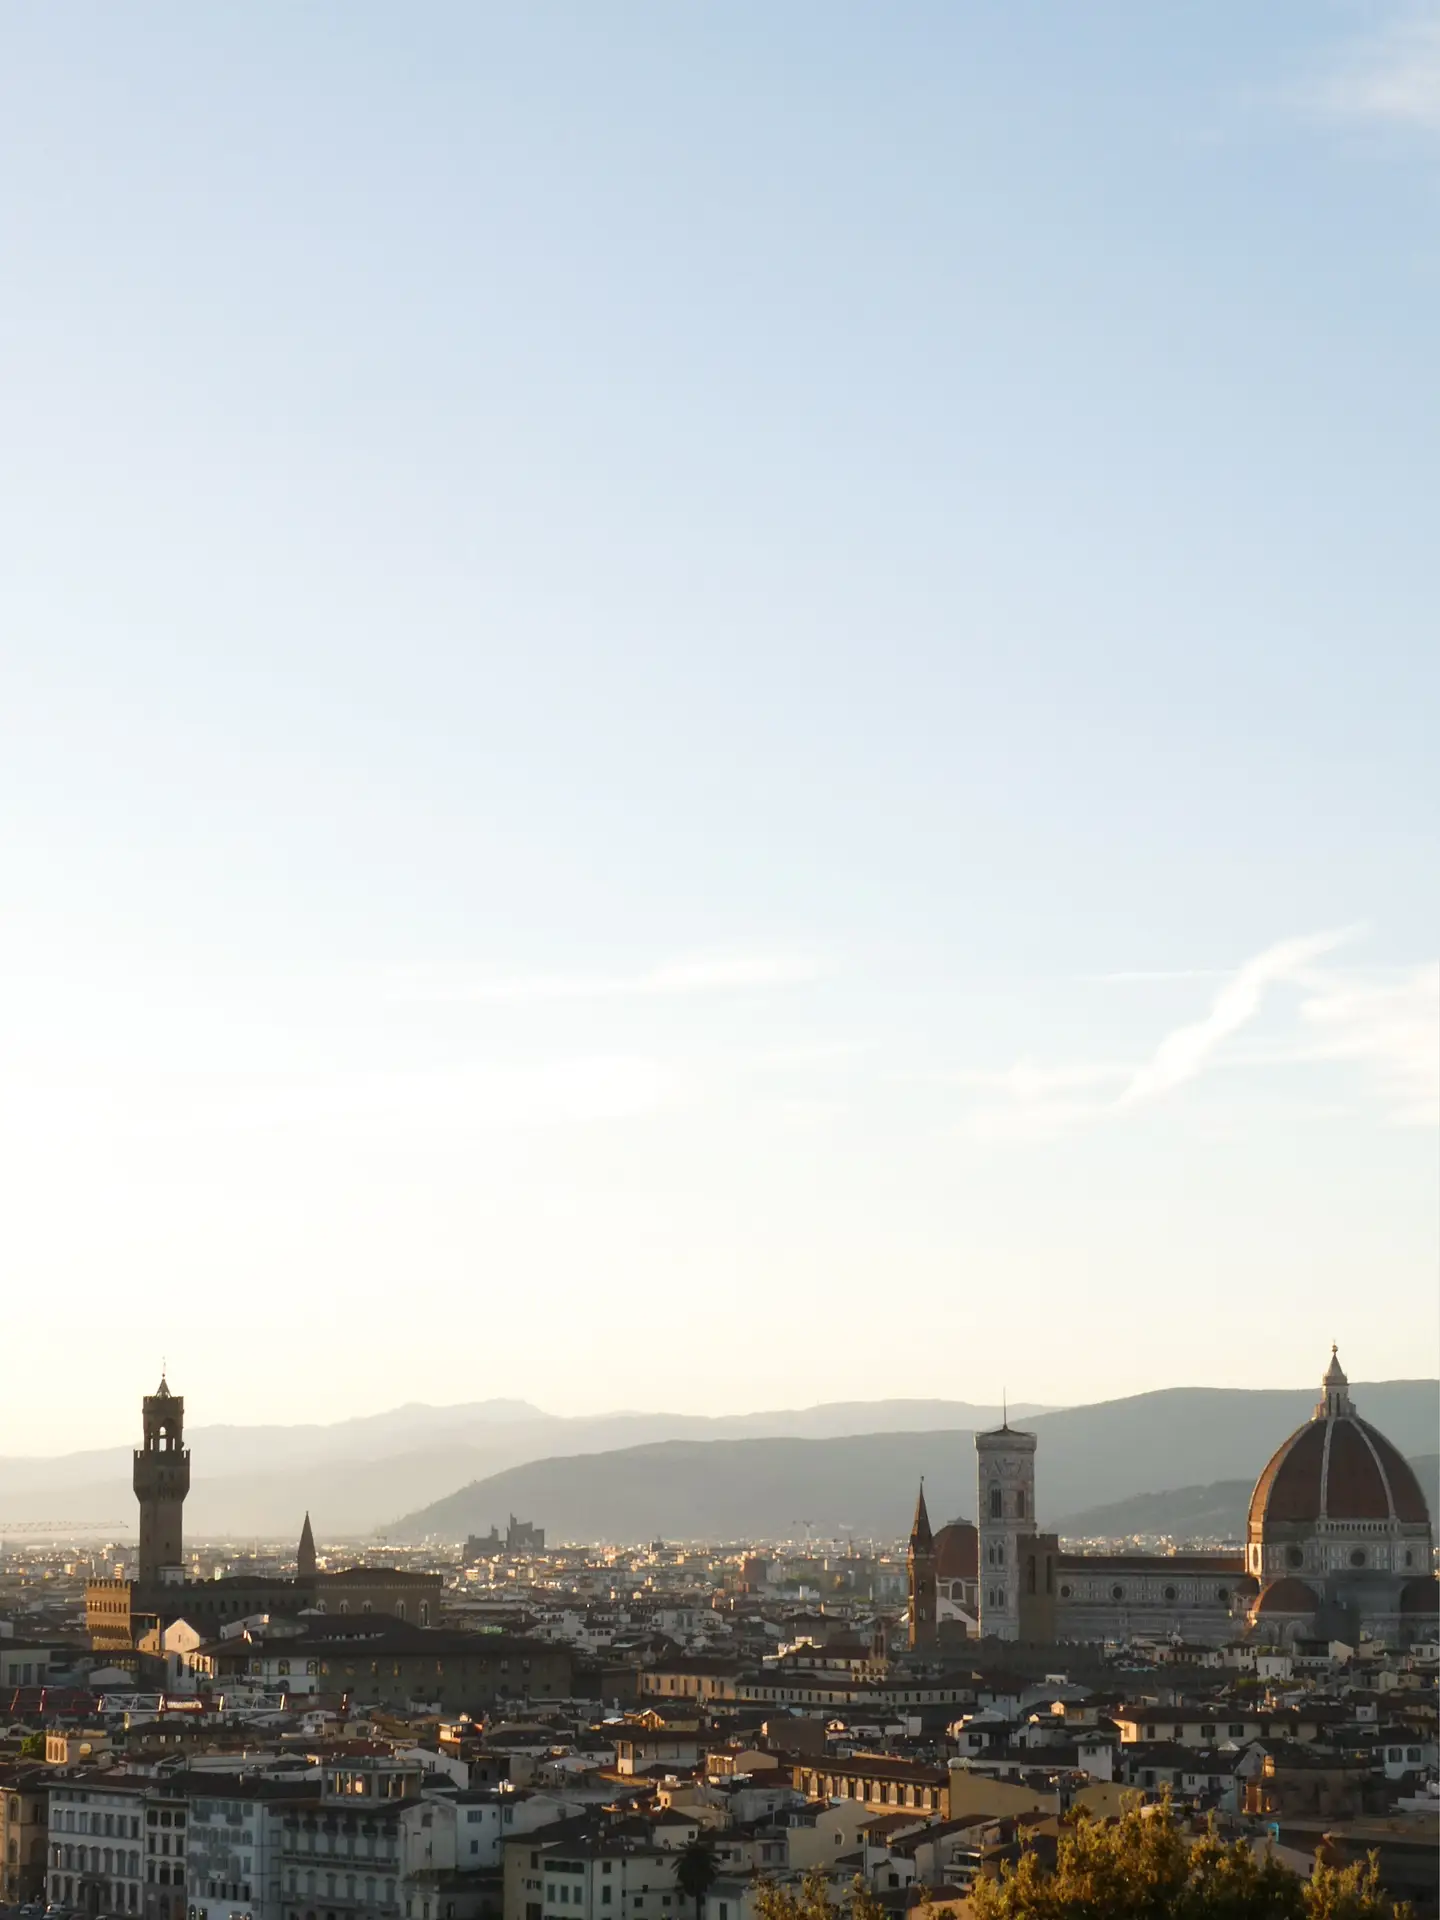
(1339, 1467)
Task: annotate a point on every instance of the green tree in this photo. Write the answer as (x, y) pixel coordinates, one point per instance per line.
(813, 1901)
(695, 1872)
(1349, 1893)
(32, 1747)
(1142, 1867)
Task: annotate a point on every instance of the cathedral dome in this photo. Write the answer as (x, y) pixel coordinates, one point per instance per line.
(1336, 1467)
(957, 1552)
(1287, 1595)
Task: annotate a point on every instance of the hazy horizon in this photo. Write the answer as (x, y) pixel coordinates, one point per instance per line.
(197, 1427)
(698, 700)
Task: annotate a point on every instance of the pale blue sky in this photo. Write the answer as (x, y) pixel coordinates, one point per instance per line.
(615, 620)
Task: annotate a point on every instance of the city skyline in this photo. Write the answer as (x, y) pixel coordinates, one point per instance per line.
(770, 677)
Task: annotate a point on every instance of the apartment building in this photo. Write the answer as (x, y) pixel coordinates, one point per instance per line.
(574, 1872)
(24, 1816)
(235, 1855)
(98, 1846)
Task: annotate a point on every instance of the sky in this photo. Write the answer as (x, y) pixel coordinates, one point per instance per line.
(714, 707)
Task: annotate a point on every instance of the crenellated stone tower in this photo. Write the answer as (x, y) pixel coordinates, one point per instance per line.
(161, 1481)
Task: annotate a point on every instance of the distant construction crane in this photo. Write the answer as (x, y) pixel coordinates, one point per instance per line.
(64, 1527)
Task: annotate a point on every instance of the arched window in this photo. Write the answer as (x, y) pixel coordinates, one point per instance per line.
(997, 1504)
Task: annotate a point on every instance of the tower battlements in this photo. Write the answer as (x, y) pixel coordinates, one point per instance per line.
(161, 1479)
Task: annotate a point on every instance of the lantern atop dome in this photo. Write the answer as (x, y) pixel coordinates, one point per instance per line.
(1334, 1390)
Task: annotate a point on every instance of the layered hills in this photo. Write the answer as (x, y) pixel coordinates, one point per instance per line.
(1213, 1512)
(842, 1468)
(863, 1485)
(355, 1474)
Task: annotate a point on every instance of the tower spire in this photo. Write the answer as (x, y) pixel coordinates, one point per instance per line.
(921, 1536)
(305, 1553)
(923, 1612)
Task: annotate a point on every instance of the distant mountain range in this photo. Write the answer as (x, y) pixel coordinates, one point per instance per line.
(786, 1487)
(847, 1467)
(1203, 1513)
(355, 1474)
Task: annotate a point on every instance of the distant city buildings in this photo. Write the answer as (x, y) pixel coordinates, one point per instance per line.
(566, 1721)
(1339, 1543)
(122, 1614)
(520, 1536)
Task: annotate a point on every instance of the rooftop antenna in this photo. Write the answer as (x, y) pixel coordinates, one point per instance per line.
(1004, 1410)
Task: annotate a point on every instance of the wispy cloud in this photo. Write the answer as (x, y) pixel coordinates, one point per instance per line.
(1390, 79)
(734, 973)
(1144, 976)
(1185, 1052)
(1392, 1027)
(395, 1107)
(1384, 1022)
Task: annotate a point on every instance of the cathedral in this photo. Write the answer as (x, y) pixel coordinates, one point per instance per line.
(1338, 1545)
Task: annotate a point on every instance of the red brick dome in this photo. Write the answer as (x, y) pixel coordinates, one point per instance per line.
(957, 1552)
(1286, 1596)
(1337, 1467)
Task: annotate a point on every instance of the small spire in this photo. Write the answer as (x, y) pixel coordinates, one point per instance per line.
(921, 1538)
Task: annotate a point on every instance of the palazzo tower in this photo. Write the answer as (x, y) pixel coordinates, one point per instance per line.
(161, 1481)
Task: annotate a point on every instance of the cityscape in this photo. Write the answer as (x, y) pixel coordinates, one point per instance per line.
(507, 1727)
(719, 960)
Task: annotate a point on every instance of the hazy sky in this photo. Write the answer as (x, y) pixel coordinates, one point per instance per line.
(714, 706)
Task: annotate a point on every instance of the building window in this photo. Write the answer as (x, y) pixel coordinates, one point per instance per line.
(997, 1504)
(1357, 1558)
(1117, 1593)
